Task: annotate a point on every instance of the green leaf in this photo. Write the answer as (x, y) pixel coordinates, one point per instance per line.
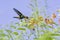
(1, 39)
(12, 26)
(55, 34)
(58, 10)
(49, 26)
(2, 34)
(21, 28)
(56, 24)
(16, 33)
(42, 24)
(1, 31)
(9, 31)
(46, 36)
(17, 24)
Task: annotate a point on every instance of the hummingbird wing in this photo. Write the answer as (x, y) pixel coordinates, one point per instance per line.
(18, 12)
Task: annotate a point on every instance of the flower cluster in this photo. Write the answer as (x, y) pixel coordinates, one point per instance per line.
(50, 21)
(33, 21)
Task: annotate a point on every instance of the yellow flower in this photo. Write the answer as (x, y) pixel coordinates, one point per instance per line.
(51, 21)
(31, 23)
(40, 18)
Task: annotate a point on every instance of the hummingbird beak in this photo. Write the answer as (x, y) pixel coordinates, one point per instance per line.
(26, 17)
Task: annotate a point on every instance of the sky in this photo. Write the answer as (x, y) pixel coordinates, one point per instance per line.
(7, 13)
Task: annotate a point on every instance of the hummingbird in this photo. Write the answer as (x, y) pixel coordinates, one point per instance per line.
(20, 15)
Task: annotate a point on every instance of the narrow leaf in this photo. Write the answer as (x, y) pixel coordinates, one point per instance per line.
(21, 28)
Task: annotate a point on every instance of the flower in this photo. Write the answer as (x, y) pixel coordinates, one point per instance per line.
(53, 15)
(40, 18)
(51, 21)
(48, 21)
(32, 22)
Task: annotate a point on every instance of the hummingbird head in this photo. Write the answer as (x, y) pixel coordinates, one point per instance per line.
(26, 17)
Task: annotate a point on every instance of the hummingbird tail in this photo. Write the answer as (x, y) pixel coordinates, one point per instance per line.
(15, 17)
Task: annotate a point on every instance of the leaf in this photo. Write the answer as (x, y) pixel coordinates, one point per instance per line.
(58, 10)
(16, 33)
(1, 39)
(42, 24)
(17, 24)
(1, 31)
(2, 34)
(55, 24)
(9, 31)
(23, 23)
(45, 36)
(49, 26)
(21, 28)
(13, 26)
(55, 34)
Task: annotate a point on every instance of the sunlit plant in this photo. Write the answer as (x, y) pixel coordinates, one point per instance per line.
(37, 27)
